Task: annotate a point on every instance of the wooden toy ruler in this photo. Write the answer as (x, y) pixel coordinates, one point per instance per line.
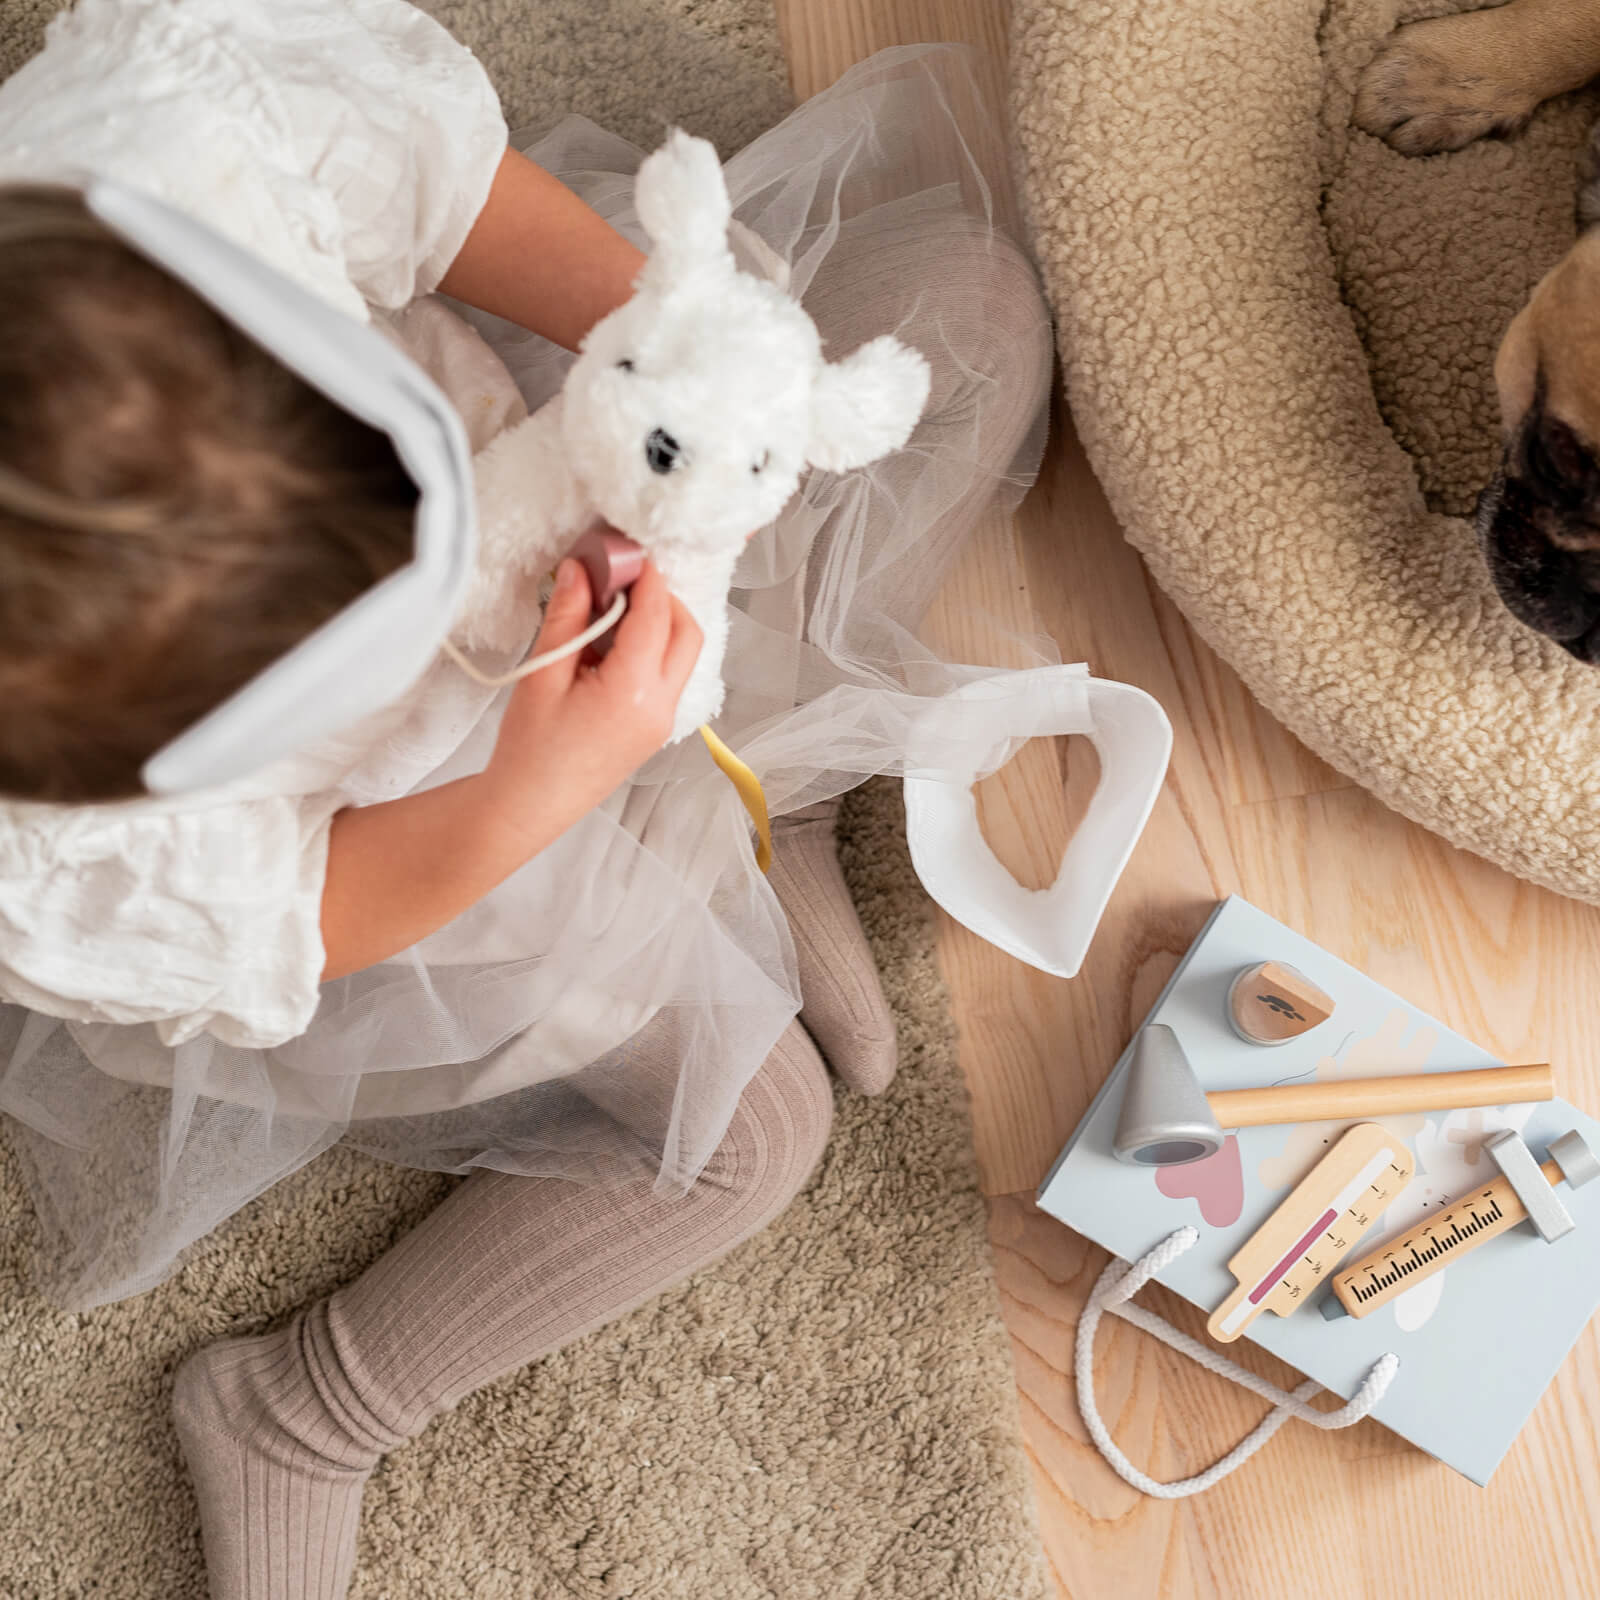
(1307, 1236)
(1433, 1244)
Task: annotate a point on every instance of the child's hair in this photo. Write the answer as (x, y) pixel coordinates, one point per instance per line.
(177, 509)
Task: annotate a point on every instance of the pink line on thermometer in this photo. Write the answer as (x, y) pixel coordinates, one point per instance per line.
(1270, 1282)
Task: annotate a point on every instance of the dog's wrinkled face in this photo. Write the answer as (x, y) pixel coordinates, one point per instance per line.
(1539, 521)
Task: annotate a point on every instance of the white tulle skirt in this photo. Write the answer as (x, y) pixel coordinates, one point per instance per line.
(597, 1017)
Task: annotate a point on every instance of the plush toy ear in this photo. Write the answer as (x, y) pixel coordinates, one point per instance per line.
(683, 203)
(866, 405)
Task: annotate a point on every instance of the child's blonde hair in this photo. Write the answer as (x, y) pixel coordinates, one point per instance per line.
(177, 509)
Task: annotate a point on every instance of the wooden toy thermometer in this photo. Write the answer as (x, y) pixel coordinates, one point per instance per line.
(1305, 1238)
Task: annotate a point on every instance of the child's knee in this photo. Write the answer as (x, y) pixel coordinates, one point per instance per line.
(1004, 340)
(777, 1135)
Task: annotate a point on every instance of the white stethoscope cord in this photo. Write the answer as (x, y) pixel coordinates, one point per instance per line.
(545, 658)
(746, 784)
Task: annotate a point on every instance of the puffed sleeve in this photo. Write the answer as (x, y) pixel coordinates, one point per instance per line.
(398, 122)
(203, 920)
(350, 142)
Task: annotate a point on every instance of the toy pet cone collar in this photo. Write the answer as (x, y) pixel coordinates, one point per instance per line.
(375, 649)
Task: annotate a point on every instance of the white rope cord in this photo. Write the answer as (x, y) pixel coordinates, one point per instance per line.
(1118, 1284)
(546, 658)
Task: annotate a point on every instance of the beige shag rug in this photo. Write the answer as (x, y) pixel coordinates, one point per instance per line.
(1278, 336)
(829, 1412)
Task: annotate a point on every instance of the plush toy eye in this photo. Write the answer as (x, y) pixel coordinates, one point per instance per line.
(624, 365)
(766, 456)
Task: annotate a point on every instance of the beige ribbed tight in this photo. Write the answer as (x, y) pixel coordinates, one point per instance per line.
(281, 1432)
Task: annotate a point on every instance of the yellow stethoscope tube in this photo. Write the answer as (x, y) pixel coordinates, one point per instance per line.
(748, 787)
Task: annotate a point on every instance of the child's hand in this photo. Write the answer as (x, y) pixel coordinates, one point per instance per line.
(573, 733)
(402, 868)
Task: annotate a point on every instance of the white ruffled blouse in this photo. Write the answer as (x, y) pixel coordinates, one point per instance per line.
(351, 143)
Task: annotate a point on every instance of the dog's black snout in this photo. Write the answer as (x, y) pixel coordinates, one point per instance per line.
(662, 451)
(1544, 584)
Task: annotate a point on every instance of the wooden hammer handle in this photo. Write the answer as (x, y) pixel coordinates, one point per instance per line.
(1380, 1097)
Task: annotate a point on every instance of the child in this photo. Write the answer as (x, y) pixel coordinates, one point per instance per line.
(472, 933)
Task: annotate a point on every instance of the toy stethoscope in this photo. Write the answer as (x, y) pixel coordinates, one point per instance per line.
(379, 646)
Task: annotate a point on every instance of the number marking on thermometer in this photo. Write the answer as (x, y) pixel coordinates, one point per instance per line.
(1310, 1233)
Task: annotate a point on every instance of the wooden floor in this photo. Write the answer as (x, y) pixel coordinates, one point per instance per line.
(1245, 809)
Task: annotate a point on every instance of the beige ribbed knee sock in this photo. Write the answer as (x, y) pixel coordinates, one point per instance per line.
(841, 1000)
(279, 1486)
(282, 1431)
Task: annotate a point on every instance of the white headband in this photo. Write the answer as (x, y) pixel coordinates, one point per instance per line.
(378, 646)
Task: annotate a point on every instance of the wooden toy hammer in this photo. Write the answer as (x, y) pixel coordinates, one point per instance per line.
(1168, 1120)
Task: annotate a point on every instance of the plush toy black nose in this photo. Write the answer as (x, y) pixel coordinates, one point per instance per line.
(662, 451)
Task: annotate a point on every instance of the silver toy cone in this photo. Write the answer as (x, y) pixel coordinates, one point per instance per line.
(1165, 1121)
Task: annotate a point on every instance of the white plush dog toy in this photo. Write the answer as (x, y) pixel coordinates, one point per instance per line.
(686, 422)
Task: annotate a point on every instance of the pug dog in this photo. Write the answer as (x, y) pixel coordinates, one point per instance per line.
(1438, 85)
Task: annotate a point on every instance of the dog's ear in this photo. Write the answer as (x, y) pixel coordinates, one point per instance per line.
(683, 204)
(866, 405)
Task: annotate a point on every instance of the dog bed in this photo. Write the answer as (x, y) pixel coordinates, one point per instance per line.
(1278, 337)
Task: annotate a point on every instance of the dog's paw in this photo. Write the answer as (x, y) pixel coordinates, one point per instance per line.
(1440, 84)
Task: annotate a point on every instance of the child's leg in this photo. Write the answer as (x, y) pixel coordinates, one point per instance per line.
(842, 1001)
(970, 302)
(282, 1431)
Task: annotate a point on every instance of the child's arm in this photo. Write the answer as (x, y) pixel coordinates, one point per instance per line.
(538, 256)
(399, 870)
